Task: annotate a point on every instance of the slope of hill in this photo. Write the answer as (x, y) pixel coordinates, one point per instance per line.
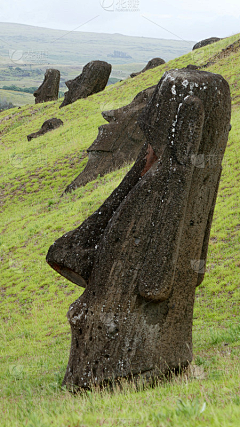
(16, 98)
(35, 337)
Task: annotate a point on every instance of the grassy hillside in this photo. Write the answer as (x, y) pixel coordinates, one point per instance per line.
(34, 332)
(16, 98)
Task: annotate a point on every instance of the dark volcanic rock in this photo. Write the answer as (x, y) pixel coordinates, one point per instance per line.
(155, 62)
(46, 127)
(143, 252)
(206, 42)
(192, 67)
(93, 79)
(117, 143)
(48, 91)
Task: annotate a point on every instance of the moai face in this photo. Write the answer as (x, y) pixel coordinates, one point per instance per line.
(118, 142)
(93, 79)
(48, 90)
(140, 254)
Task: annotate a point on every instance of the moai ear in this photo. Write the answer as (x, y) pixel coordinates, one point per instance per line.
(176, 177)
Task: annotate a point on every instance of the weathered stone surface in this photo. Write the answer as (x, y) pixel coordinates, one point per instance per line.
(93, 79)
(143, 252)
(46, 127)
(48, 91)
(192, 67)
(155, 62)
(206, 42)
(117, 143)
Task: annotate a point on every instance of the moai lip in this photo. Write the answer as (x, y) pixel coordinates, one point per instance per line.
(141, 255)
(48, 90)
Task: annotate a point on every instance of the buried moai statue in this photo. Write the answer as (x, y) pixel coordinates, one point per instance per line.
(93, 79)
(119, 142)
(155, 62)
(48, 90)
(47, 126)
(141, 255)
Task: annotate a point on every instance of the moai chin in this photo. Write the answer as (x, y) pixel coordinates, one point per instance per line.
(48, 90)
(141, 255)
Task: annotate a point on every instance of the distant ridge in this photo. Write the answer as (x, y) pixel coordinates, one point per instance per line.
(74, 48)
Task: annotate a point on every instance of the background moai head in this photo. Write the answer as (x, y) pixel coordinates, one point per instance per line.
(205, 42)
(47, 126)
(93, 79)
(155, 62)
(48, 91)
(137, 255)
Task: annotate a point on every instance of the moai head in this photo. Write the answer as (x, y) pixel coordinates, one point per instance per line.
(93, 79)
(155, 62)
(47, 126)
(48, 91)
(141, 255)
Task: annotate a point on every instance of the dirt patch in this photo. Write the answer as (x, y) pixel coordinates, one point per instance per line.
(232, 48)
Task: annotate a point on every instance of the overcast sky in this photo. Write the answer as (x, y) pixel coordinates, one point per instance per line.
(173, 19)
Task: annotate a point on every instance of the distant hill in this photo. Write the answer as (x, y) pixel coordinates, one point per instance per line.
(44, 45)
(26, 51)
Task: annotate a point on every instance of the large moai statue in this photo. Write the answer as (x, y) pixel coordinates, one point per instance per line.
(119, 142)
(93, 79)
(48, 91)
(141, 255)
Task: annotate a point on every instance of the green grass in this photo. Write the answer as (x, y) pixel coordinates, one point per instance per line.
(16, 98)
(34, 332)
